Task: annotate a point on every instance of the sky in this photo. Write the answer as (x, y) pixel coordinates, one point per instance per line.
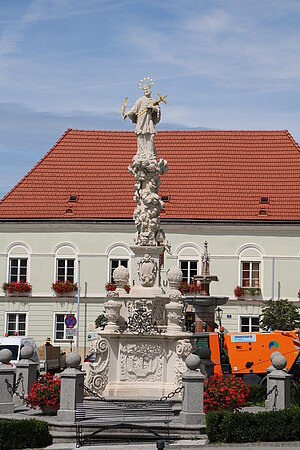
(224, 64)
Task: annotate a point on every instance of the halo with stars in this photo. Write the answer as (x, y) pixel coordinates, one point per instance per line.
(145, 80)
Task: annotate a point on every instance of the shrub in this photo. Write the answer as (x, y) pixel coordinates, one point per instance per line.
(257, 395)
(272, 426)
(221, 392)
(45, 392)
(24, 433)
(101, 321)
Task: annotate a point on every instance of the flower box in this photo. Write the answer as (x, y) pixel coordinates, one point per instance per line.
(190, 288)
(64, 288)
(247, 293)
(112, 287)
(17, 289)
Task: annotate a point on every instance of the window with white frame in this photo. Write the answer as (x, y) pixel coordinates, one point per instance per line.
(16, 324)
(17, 270)
(65, 268)
(60, 327)
(114, 263)
(189, 269)
(250, 274)
(249, 324)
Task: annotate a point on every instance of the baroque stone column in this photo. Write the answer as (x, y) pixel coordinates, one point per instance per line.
(174, 308)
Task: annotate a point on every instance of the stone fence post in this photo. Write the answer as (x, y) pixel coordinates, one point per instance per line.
(192, 396)
(278, 384)
(26, 374)
(7, 374)
(71, 391)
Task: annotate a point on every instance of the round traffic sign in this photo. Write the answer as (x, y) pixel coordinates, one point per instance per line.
(70, 321)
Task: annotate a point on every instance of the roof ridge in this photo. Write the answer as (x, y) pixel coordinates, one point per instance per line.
(36, 165)
(292, 139)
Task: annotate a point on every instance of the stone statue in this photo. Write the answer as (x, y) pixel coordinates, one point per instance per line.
(146, 169)
(146, 114)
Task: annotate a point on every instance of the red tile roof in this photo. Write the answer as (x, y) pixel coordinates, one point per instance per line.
(214, 175)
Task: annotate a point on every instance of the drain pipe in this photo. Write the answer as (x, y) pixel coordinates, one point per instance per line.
(273, 278)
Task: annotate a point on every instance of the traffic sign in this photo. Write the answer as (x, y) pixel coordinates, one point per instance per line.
(70, 333)
(70, 321)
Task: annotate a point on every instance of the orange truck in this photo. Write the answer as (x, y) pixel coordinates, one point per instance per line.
(248, 354)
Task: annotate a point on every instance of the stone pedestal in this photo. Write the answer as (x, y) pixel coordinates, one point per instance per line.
(130, 366)
(147, 271)
(278, 384)
(71, 388)
(28, 369)
(192, 412)
(6, 382)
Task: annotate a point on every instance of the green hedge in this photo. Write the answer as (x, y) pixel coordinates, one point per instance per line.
(272, 426)
(258, 394)
(29, 433)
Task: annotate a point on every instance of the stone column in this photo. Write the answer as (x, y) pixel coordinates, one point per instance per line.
(174, 308)
(71, 388)
(28, 370)
(278, 384)
(7, 373)
(192, 396)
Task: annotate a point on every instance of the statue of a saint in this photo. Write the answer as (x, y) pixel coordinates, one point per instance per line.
(146, 114)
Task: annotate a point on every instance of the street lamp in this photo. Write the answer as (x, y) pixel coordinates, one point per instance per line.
(219, 313)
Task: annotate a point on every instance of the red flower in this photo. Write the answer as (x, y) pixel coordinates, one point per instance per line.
(14, 286)
(64, 287)
(47, 387)
(221, 392)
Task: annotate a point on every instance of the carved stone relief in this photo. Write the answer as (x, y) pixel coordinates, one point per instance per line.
(98, 371)
(183, 349)
(142, 362)
(147, 270)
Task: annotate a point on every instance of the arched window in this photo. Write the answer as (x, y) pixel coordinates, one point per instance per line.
(188, 256)
(18, 262)
(250, 266)
(118, 255)
(66, 262)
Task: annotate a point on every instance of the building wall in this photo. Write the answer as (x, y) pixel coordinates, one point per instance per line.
(276, 248)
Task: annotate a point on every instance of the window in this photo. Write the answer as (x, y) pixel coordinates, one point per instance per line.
(65, 270)
(17, 269)
(16, 323)
(114, 263)
(60, 327)
(249, 324)
(250, 274)
(189, 270)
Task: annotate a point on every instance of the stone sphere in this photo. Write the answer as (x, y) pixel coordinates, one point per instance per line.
(5, 356)
(73, 360)
(174, 275)
(274, 354)
(27, 352)
(279, 362)
(121, 274)
(192, 362)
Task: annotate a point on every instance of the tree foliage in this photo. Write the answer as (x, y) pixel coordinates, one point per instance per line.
(101, 321)
(280, 315)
